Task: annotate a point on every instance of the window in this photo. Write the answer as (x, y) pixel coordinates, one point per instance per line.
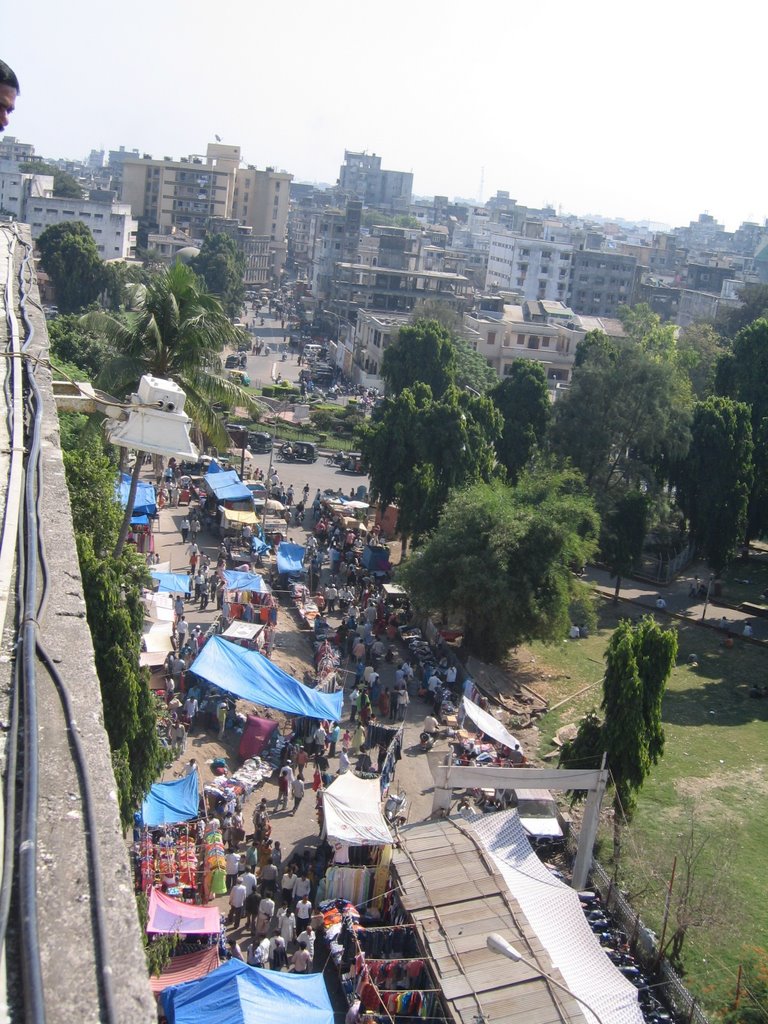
(545, 342)
(533, 341)
(521, 339)
(491, 337)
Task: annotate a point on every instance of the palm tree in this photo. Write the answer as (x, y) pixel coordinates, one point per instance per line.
(178, 334)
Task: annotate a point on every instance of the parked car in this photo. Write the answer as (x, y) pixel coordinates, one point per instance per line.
(539, 815)
(259, 441)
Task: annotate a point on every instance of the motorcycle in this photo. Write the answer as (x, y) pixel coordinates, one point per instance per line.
(395, 809)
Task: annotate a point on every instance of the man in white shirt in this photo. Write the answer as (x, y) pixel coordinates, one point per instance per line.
(233, 864)
(236, 903)
(249, 881)
(320, 738)
(307, 937)
(450, 675)
(430, 725)
(302, 888)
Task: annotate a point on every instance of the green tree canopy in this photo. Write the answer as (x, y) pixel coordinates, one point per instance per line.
(753, 306)
(177, 334)
(700, 347)
(422, 353)
(645, 329)
(714, 481)
(741, 374)
(222, 266)
(499, 561)
(638, 662)
(69, 256)
(624, 420)
(115, 617)
(74, 344)
(419, 449)
(64, 184)
(471, 370)
(522, 398)
(625, 525)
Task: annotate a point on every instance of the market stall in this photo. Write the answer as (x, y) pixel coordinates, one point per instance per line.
(172, 802)
(353, 825)
(252, 677)
(168, 916)
(186, 967)
(238, 993)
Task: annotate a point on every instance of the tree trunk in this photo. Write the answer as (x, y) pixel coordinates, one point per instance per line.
(616, 591)
(126, 525)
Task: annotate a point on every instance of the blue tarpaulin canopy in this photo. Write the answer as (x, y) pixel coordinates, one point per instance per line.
(139, 520)
(290, 557)
(170, 802)
(253, 677)
(145, 502)
(215, 467)
(245, 581)
(172, 582)
(238, 994)
(227, 486)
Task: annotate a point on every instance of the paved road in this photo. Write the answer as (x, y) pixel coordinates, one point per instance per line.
(678, 601)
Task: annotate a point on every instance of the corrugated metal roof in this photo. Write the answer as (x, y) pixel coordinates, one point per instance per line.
(457, 899)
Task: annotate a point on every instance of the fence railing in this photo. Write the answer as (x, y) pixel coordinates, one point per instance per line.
(662, 570)
(644, 946)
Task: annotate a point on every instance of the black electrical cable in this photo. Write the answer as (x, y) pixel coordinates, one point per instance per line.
(104, 968)
(34, 1001)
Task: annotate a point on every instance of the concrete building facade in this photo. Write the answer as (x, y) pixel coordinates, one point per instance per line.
(537, 268)
(601, 281)
(18, 187)
(112, 224)
(362, 175)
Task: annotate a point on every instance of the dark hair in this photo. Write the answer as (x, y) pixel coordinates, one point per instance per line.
(8, 76)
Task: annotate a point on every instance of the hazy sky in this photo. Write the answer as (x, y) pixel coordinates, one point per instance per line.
(642, 110)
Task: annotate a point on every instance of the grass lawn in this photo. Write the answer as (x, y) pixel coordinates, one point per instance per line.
(746, 581)
(714, 766)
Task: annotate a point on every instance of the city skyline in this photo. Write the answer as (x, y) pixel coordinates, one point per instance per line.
(580, 108)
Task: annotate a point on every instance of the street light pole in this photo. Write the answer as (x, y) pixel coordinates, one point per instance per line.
(498, 944)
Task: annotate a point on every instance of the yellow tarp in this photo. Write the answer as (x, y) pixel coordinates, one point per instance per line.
(238, 516)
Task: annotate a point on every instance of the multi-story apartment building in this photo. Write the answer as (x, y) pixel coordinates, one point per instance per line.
(537, 268)
(185, 195)
(181, 194)
(14, 151)
(255, 248)
(111, 224)
(601, 281)
(547, 332)
(390, 275)
(18, 187)
(362, 175)
(334, 238)
(261, 201)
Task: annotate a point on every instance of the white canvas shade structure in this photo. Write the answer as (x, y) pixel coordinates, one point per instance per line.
(352, 812)
(486, 723)
(456, 898)
(243, 630)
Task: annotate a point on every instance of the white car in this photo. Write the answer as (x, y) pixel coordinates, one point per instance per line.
(539, 815)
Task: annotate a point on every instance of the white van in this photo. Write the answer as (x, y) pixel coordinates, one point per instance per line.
(312, 351)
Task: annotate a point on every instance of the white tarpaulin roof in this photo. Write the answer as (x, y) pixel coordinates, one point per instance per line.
(157, 637)
(352, 809)
(554, 912)
(243, 630)
(488, 724)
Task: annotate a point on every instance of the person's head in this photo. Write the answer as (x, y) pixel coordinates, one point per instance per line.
(303, 945)
(9, 90)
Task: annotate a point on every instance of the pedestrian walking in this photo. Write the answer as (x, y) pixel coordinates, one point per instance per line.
(297, 788)
(184, 530)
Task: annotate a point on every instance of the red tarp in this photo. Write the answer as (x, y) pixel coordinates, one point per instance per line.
(256, 736)
(188, 967)
(168, 916)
